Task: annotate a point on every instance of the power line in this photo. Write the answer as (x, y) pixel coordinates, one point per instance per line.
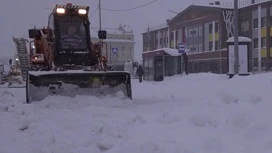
(93, 13)
(128, 9)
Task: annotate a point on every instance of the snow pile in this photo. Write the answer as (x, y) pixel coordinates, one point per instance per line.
(200, 113)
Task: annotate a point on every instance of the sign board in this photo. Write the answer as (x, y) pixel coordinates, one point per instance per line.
(114, 54)
(115, 57)
(181, 48)
(243, 59)
(114, 50)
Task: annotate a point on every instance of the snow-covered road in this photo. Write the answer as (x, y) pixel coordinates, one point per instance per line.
(199, 113)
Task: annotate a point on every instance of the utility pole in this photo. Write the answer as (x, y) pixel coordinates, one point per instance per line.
(99, 7)
(236, 49)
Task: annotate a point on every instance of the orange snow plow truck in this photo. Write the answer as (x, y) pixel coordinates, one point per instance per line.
(64, 61)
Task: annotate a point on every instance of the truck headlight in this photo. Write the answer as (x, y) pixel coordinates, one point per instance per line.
(82, 11)
(61, 10)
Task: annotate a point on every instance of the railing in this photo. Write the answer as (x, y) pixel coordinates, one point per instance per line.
(220, 66)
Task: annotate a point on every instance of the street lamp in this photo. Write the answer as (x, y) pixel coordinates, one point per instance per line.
(236, 49)
(99, 7)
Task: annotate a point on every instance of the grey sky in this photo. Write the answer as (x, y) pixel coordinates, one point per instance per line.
(17, 16)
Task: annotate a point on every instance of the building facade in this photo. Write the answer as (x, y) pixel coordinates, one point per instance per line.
(255, 23)
(156, 37)
(120, 44)
(204, 31)
(159, 60)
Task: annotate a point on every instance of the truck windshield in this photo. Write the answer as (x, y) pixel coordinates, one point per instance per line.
(73, 36)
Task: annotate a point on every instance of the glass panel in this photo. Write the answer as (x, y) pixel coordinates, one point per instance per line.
(150, 69)
(145, 66)
(73, 35)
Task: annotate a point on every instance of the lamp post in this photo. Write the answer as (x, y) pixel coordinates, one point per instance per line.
(236, 49)
(99, 7)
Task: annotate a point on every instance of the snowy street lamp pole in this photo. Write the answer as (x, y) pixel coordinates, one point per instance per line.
(236, 49)
(99, 7)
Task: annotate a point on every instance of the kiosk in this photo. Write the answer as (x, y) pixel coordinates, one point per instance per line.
(243, 49)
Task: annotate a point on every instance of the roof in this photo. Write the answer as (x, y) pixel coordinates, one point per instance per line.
(94, 34)
(240, 39)
(121, 30)
(222, 5)
(215, 7)
(157, 27)
(170, 51)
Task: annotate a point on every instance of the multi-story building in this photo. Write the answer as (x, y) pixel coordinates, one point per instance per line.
(204, 32)
(255, 23)
(156, 44)
(120, 44)
(205, 29)
(156, 37)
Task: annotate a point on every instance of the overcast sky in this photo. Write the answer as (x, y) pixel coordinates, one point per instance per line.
(17, 16)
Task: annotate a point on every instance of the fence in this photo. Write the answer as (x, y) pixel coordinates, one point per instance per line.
(220, 66)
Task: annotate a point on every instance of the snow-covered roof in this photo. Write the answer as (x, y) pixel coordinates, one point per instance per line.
(157, 27)
(170, 51)
(227, 5)
(221, 5)
(125, 28)
(230, 4)
(119, 40)
(240, 39)
(122, 29)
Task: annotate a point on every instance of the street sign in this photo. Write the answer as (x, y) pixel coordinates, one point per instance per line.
(114, 54)
(114, 50)
(115, 57)
(181, 48)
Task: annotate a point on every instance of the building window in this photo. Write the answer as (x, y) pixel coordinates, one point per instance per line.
(255, 42)
(217, 45)
(217, 27)
(210, 46)
(255, 23)
(193, 32)
(245, 26)
(192, 49)
(160, 41)
(263, 20)
(210, 28)
(263, 42)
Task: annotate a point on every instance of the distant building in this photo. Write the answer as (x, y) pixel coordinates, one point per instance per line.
(120, 43)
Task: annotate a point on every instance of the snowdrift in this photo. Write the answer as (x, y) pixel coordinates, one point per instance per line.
(201, 113)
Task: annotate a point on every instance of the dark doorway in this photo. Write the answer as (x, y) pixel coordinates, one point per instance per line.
(158, 63)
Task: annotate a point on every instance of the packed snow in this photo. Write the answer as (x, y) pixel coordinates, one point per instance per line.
(198, 113)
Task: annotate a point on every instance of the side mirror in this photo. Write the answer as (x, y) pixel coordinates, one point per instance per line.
(102, 34)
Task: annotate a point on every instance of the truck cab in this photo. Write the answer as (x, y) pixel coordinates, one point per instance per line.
(68, 36)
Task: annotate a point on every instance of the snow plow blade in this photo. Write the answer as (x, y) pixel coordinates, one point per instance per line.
(41, 84)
